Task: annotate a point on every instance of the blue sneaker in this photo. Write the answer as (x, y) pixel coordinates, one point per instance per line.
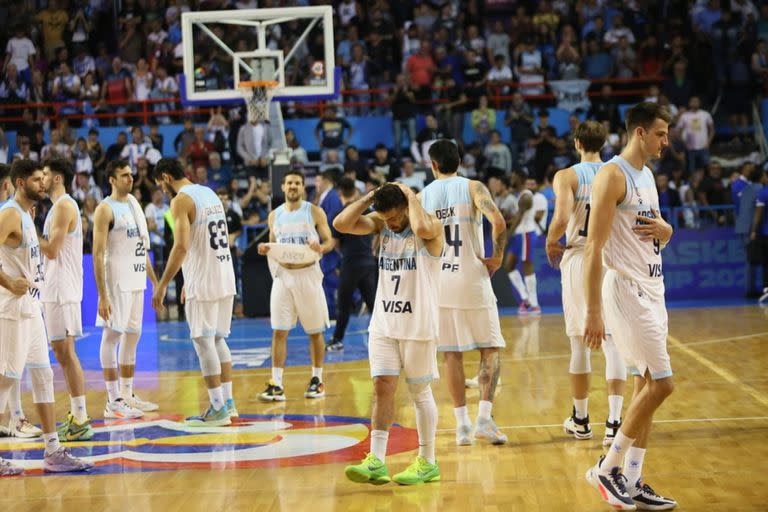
(229, 405)
(211, 418)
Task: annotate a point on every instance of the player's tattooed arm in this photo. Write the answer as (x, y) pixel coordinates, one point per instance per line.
(484, 202)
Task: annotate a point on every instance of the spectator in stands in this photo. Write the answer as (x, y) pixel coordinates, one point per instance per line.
(353, 161)
(402, 101)
(519, 118)
(498, 43)
(201, 177)
(83, 62)
(598, 62)
(383, 167)
(20, 51)
(430, 133)
(13, 90)
(85, 187)
(668, 198)
(4, 154)
(744, 192)
(218, 173)
(530, 66)
(544, 143)
(358, 73)
(155, 213)
(617, 31)
(56, 148)
(54, 21)
(299, 156)
(82, 158)
(698, 130)
(760, 64)
(673, 157)
(650, 56)
(115, 150)
(155, 137)
(332, 132)
(568, 56)
(117, 89)
(713, 192)
(605, 108)
(706, 18)
(254, 140)
(497, 153)
(142, 180)
(483, 121)
(344, 49)
(90, 91)
(409, 176)
(624, 59)
(136, 149)
(254, 204)
(451, 111)
(474, 75)
(421, 68)
(199, 149)
(498, 75)
(593, 29)
(185, 136)
(163, 87)
(142, 81)
(679, 88)
(65, 87)
(25, 152)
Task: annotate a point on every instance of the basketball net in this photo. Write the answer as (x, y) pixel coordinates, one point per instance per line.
(257, 95)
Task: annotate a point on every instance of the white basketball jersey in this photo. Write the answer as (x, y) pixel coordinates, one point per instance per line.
(408, 290)
(624, 252)
(22, 261)
(578, 222)
(209, 273)
(527, 223)
(294, 226)
(64, 275)
(464, 280)
(126, 256)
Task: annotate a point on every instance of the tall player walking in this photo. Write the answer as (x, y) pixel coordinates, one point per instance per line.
(62, 246)
(403, 325)
(121, 265)
(469, 318)
(201, 250)
(572, 214)
(628, 240)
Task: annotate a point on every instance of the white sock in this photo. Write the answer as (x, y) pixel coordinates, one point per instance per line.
(484, 410)
(216, 397)
(379, 440)
(51, 441)
(426, 423)
(517, 281)
(77, 408)
(277, 375)
(615, 402)
(14, 401)
(616, 453)
(462, 416)
(581, 406)
(633, 465)
(112, 390)
(317, 372)
(126, 387)
(226, 390)
(533, 295)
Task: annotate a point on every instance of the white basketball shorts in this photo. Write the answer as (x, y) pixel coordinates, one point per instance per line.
(209, 317)
(127, 311)
(23, 342)
(62, 320)
(462, 330)
(298, 295)
(417, 358)
(638, 323)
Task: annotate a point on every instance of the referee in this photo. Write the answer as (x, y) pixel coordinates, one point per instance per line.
(358, 269)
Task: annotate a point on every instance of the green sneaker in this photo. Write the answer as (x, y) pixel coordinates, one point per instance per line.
(211, 418)
(370, 470)
(71, 430)
(420, 472)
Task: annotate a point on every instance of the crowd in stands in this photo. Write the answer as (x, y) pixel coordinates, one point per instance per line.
(428, 65)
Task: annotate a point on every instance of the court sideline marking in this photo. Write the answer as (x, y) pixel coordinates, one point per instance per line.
(719, 370)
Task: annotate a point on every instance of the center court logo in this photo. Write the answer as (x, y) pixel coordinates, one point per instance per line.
(252, 441)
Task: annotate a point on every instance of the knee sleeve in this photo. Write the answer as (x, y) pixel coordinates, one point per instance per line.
(420, 392)
(205, 348)
(579, 357)
(615, 369)
(223, 350)
(126, 354)
(426, 412)
(42, 385)
(108, 349)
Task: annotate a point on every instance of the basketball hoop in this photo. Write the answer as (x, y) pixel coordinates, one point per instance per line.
(257, 95)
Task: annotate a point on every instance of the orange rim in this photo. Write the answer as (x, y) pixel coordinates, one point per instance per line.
(257, 83)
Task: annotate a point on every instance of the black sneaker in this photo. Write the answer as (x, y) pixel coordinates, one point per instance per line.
(273, 393)
(578, 427)
(646, 498)
(316, 389)
(611, 429)
(334, 346)
(612, 486)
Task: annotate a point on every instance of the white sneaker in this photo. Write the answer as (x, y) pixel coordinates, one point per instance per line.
(464, 435)
(490, 432)
(120, 409)
(472, 383)
(142, 405)
(23, 428)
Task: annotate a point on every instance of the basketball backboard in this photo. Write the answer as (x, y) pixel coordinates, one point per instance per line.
(217, 46)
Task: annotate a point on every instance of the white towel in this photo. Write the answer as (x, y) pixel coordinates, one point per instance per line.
(289, 253)
(141, 220)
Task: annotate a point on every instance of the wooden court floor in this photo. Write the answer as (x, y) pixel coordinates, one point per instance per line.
(708, 450)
